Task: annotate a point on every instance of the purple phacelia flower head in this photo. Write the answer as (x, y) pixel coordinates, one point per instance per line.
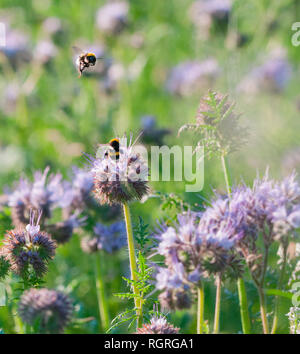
(119, 178)
(176, 299)
(274, 200)
(42, 194)
(170, 279)
(222, 221)
(189, 77)
(224, 236)
(195, 248)
(29, 250)
(269, 210)
(110, 238)
(168, 239)
(158, 325)
(272, 75)
(53, 26)
(44, 51)
(203, 13)
(17, 47)
(77, 193)
(51, 309)
(112, 18)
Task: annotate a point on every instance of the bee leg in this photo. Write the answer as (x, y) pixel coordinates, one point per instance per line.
(80, 69)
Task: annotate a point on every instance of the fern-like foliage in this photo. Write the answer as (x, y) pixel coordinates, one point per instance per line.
(142, 235)
(217, 126)
(173, 204)
(5, 221)
(143, 283)
(4, 267)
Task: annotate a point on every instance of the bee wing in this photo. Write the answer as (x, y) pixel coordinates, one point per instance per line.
(100, 145)
(77, 50)
(102, 149)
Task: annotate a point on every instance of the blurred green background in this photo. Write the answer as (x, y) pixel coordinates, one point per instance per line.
(48, 116)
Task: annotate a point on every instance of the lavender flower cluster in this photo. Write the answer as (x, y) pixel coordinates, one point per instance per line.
(189, 77)
(269, 209)
(48, 193)
(194, 249)
(215, 241)
(108, 238)
(41, 194)
(204, 13)
(112, 18)
(272, 75)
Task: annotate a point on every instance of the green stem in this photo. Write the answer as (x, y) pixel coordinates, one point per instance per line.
(218, 304)
(19, 325)
(263, 311)
(226, 175)
(244, 306)
(280, 285)
(132, 262)
(100, 286)
(245, 318)
(200, 311)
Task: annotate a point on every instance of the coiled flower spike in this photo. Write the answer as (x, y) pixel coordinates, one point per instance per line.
(29, 249)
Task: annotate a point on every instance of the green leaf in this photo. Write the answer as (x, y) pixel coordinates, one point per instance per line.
(281, 293)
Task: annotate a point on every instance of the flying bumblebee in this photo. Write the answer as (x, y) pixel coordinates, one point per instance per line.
(84, 60)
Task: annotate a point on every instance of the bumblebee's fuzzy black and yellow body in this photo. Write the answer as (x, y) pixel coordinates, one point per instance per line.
(85, 61)
(115, 151)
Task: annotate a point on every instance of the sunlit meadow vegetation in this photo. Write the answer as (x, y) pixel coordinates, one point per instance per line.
(79, 255)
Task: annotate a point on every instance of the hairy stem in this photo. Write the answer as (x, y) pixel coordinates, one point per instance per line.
(246, 325)
(218, 304)
(280, 285)
(265, 264)
(245, 318)
(100, 286)
(260, 286)
(226, 175)
(200, 310)
(132, 262)
(20, 327)
(263, 311)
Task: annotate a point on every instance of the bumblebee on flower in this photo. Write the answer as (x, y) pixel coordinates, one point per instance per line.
(120, 172)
